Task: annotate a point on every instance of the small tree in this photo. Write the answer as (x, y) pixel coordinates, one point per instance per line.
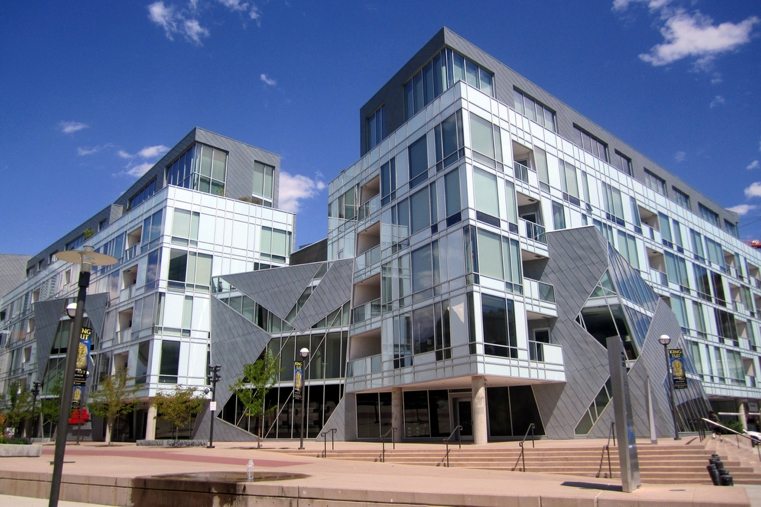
(252, 388)
(19, 406)
(178, 407)
(112, 399)
(50, 404)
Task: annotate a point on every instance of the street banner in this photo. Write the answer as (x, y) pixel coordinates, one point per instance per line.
(676, 358)
(298, 379)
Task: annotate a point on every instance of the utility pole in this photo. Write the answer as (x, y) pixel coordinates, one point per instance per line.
(213, 379)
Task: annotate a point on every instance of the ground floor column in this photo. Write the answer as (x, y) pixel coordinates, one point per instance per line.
(397, 415)
(150, 422)
(742, 415)
(478, 405)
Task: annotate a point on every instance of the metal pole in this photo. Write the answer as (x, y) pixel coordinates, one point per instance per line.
(303, 397)
(671, 391)
(35, 392)
(68, 384)
(214, 378)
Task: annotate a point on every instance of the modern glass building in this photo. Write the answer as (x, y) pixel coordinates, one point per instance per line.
(207, 208)
(499, 238)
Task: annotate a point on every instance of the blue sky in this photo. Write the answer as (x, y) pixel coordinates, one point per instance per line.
(92, 92)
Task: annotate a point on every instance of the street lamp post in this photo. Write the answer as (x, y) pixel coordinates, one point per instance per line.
(213, 378)
(664, 340)
(87, 258)
(35, 393)
(304, 354)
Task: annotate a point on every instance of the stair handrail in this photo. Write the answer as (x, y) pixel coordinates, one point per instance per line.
(324, 436)
(457, 429)
(391, 431)
(522, 455)
(606, 451)
(737, 434)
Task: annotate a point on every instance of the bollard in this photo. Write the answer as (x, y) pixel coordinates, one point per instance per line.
(250, 470)
(714, 474)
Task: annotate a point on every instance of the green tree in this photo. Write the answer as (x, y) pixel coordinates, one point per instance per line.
(19, 407)
(113, 398)
(252, 387)
(50, 400)
(178, 407)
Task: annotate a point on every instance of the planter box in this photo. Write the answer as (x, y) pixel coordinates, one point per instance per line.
(20, 450)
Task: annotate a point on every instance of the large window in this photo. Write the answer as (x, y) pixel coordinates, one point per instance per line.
(558, 215)
(388, 181)
(614, 206)
(708, 214)
(452, 191)
(185, 227)
(425, 270)
(681, 198)
(500, 258)
(485, 140)
(627, 246)
(440, 73)
(655, 182)
(499, 326)
(449, 141)
(534, 110)
(592, 144)
(374, 126)
(200, 167)
(420, 211)
(189, 269)
(264, 180)
(275, 244)
(486, 196)
(170, 360)
(418, 159)
(345, 206)
(142, 195)
(568, 182)
(622, 162)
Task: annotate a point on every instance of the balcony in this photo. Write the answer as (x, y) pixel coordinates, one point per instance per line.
(370, 207)
(368, 259)
(362, 366)
(531, 230)
(538, 290)
(365, 312)
(521, 172)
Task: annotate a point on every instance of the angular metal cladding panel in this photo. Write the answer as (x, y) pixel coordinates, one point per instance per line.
(235, 342)
(578, 258)
(333, 291)
(276, 289)
(46, 317)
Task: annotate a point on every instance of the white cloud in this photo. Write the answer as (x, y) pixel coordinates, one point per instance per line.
(264, 78)
(152, 151)
(680, 156)
(653, 5)
(164, 16)
(241, 6)
(693, 35)
(753, 165)
(124, 154)
(743, 209)
(717, 101)
(753, 190)
(296, 188)
(139, 169)
(69, 127)
(177, 22)
(194, 31)
(84, 151)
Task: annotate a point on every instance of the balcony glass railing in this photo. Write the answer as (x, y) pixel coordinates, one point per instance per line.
(369, 207)
(367, 311)
(521, 171)
(365, 366)
(369, 258)
(539, 290)
(533, 231)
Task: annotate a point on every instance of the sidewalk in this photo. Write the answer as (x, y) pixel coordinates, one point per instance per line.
(106, 475)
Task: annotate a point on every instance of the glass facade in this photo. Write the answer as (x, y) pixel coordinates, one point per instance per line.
(200, 167)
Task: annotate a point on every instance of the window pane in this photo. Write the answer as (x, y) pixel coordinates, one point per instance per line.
(422, 269)
(512, 210)
(489, 255)
(481, 136)
(452, 189)
(181, 224)
(422, 330)
(203, 269)
(485, 191)
(178, 261)
(420, 212)
(170, 360)
(418, 158)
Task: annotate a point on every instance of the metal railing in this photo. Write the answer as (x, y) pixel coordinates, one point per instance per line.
(324, 435)
(606, 451)
(753, 441)
(392, 432)
(522, 455)
(534, 231)
(457, 429)
(366, 311)
(521, 171)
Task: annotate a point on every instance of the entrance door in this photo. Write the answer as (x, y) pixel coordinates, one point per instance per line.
(464, 417)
